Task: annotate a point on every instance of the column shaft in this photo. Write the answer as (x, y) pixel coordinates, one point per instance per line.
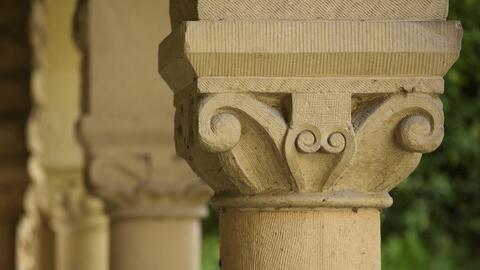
(154, 244)
(307, 239)
(82, 246)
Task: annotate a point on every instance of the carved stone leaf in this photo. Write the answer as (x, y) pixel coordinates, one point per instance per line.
(384, 158)
(248, 135)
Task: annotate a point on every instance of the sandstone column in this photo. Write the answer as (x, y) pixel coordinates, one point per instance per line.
(303, 115)
(81, 234)
(15, 71)
(63, 228)
(154, 200)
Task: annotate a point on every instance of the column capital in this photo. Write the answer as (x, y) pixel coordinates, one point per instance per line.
(136, 173)
(59, 196)
(295, 112)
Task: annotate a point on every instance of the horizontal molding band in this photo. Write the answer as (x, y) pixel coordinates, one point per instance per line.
(354, 85)
(308, 49)
(323, 64)
(346, 199)
(171, 211)
(320, 36)
(189, 10)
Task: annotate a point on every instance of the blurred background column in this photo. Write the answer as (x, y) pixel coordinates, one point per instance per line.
(64, 228)
(303, 116)
(154, 200)
(15, 72)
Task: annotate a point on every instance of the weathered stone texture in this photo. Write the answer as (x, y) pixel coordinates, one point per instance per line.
(279, 49)
(215, 10)
(340, 239)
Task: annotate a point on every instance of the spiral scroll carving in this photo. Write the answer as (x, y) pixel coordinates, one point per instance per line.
(221, 134)
(336, 143)
(240, 138)
(419, 133)
(419, 119)
(309, 141)
(219, 119)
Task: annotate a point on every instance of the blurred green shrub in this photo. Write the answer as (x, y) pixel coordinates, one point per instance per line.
(435, 220)
(434, 223)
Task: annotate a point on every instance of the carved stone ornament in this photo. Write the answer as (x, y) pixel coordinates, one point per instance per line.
(277, 113)
(137, 177)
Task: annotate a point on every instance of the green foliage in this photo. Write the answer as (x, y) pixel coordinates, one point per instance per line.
(210, 255)
(210, 249)
(434, 223)
(435, 220)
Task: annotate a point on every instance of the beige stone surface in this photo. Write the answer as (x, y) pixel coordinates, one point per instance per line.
(63, 228)
(419, 10)
(278, 49)
(353, 85)
(114, 41)
(181, 238)
(61, 94)
(56, 88)
(303, 239)
(82, 244)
